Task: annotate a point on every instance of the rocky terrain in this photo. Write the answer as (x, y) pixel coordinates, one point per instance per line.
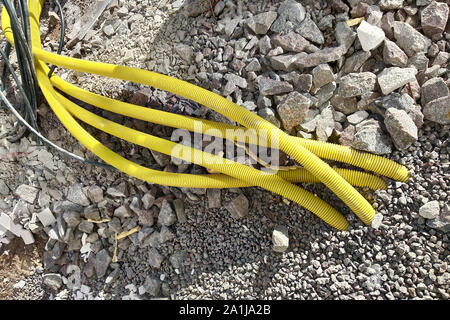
(368, 74)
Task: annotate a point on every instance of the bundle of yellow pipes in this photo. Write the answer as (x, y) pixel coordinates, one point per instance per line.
(231, 174)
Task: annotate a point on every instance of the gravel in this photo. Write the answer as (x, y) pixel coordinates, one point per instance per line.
(298, 65)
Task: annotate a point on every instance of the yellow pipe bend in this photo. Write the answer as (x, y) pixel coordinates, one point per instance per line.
(323, 150)
(270, 182)
(309, 161)
(356, 178)
(288, 144)
(224, 168)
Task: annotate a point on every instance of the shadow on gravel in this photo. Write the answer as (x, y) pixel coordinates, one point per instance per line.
(220, 249)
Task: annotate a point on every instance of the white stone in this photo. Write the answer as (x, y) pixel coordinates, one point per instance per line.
(27, 237)
(430, 210)
(393, 78)
(27, 193)
(46, 217)
(377, 219)
(142, 290)
(19, 285)
(357, 117)
(370, 36)
(280, 239)
(8, 224)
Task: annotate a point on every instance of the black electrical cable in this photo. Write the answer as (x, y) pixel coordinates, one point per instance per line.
(4, 69)
(28, 86)
(61, 36)
(25, 63)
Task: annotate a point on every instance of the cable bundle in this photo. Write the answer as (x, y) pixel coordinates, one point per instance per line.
(231, 174)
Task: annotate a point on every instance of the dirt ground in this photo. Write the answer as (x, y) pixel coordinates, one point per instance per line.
(17, 262)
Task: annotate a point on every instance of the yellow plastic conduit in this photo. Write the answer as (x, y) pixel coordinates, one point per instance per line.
(249, 121)
(354, 200)
(356, 178)
(288, 144)
(269, 182)
(325, 150)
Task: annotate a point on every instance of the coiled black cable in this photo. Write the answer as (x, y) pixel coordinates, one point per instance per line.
(27, 84)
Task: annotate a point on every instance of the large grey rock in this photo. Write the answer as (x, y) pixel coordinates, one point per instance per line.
(344, 105)
(310, 122)
(325, 124)
(166, 215)
(369, 137)
(52, 280)
(310, 31)
(390, 4)
(404, 102)
(238, 207)
(430, 210)
(152, 286)
(280, 239)
(4, 189)
(401, 128)
(290, 15)
(262, 22)
(357, 117)
(236, 80)
(304, 82)
(231, 25)
(438, 110)
(356, 61)
(102, 261)
(177, 259)
(122, 212)
(270, 87)
(345, 36)
(264, 44)
(155, 258)
(325, 93)
(347, 135)
(72, 219)
(356, 84)
(163, 160)
(442, 222)
(76, 195)
(326, 55)
(409, 39)
(393, 78)
(95, 194)
(322, 75)
(419, 61)
(434, 18)
(433, 89)
(370, 36)
(293, 110)
(291, 42)
(27, 193)
(185, 52)
(285, 62)
(179, 210)
(269, 115)
(86, 226)
(393, 55)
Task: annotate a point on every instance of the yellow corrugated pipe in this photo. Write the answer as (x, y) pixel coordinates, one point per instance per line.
(276, 183)
(288, 144)
(299, 175)
(323, 150)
